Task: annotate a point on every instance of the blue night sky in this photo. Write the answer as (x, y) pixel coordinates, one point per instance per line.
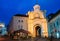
(8, 8)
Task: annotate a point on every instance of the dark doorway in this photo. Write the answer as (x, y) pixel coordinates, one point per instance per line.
(38, 31)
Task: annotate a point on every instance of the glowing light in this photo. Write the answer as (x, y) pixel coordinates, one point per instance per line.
(57, 35)
(2, 25)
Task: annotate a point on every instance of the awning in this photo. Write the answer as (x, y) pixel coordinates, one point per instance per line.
(22, 30)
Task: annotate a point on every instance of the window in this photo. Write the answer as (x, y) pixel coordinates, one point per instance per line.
(21, 27)
(18, 20)
(18, 26)
(0, 31)
(54, 24)
(57, 23)
(21, 20)
(51, 25)
(58, 20)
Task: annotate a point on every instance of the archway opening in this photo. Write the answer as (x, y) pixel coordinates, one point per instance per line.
(38, 31)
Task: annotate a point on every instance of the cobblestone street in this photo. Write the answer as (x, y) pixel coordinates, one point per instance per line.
(31, 39)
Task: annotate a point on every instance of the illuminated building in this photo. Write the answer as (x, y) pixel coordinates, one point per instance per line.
(33, 22)
(54, 24)
(3, 30)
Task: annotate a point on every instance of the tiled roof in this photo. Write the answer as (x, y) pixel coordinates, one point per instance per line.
(23, 31)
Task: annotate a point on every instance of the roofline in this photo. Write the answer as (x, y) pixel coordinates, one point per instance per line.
(20, 15)
(54, 15)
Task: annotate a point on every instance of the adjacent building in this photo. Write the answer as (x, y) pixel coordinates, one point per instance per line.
(3, 30)
(54, 24)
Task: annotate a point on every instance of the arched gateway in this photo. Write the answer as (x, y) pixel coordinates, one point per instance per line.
(37, 23)
(38, 30)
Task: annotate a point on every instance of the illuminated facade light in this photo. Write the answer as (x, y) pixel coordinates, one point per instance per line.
(57, 35)
(2, 25)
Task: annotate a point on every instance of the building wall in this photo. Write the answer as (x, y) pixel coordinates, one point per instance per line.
(10, 26)
(54, 26)
(20, 23)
